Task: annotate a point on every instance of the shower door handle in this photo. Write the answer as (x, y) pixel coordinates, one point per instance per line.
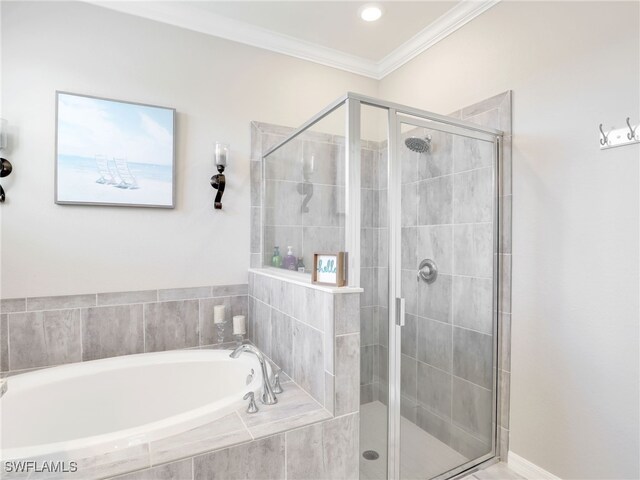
(400, 312)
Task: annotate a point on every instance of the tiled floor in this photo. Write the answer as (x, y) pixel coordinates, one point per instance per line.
(422, 455)
(499, 471)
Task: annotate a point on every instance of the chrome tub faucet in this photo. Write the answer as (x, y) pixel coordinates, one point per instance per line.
(268, 396)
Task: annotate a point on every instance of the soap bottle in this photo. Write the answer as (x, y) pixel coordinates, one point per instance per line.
(290, 260)
(276, 259)
(300, 265)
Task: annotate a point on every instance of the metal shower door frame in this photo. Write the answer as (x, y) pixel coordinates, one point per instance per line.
(412, 117)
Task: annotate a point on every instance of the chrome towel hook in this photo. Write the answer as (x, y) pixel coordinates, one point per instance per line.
(632, 130)
(605, 137)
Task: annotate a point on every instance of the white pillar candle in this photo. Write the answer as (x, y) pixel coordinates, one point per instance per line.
(218, 314)
(239, 325)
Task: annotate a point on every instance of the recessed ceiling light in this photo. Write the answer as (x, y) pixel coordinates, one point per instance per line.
(370, 13)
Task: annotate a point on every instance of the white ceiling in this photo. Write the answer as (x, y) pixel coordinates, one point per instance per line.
(337, 25)
(326, 32)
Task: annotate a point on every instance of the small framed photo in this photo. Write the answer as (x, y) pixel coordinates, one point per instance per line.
(330, 269)
(112, 152)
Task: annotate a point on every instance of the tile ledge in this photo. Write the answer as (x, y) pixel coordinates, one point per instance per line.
(303, 280)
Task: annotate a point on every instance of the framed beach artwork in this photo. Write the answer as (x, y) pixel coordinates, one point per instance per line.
(111, 152)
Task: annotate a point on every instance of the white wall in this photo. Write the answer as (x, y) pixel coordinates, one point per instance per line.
(217, 87)
(575, 352)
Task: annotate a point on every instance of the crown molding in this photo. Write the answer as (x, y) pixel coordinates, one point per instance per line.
(458, 16)
(191, 18)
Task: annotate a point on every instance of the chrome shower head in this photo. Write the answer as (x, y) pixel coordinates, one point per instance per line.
(418, 145)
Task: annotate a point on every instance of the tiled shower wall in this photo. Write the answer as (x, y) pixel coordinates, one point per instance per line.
(304, 194)
(46, 331)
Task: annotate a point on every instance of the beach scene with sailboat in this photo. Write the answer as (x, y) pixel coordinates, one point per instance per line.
(113, 152)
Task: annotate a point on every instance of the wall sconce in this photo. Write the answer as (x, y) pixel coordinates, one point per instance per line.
(220, 156)
(5, 165)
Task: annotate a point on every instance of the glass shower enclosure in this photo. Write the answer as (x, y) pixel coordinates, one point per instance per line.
(412, 196)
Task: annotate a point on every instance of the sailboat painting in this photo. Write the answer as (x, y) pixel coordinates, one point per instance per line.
(110, 152)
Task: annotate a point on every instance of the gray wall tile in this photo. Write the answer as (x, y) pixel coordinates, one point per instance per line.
(473, 196)
(4, 343)
(473, 303)
(469, 153)
(367, 363)
(471, 408)
(434, 343)
(184, 293)
(438, 161)
(408, 248)
(346, 313)
(60, 302)
(473, 356)
(410, 335)
(181, 470)
(39, 339)
(256, 182)
(171, 325)
(435, 242)
(473, 250)
(434, 425)
(435, 298)
(434, 390)
(347, 386)
(324, 451)
(112, 331)
(505, 224)
(320, 239)
(126, 298)
(259, 459)
(11, 305)
(261, 327)
(435, 198)
(308, 357)
(368, 326)
(505, 341)
(282, 341)
(505, 283)
(409, 205)
(408, 377)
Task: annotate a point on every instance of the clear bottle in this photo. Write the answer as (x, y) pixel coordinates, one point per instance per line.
(300, 265)
(289, 260)
(276, 259)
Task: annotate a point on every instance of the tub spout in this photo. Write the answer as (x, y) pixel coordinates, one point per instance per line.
(268, 397)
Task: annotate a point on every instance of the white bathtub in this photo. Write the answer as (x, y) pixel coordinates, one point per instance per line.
(104, 405)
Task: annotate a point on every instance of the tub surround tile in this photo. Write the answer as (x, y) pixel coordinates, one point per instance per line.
(346, 309)
(40, 339)
(347, 374)
(112, 331)
(125, 298)
(182, 470)
(61, 302)
(221, 433)
(290, 423)
(282, 341)
(171, 325)
(308, 358)
(109, 464)
(12, 305)
(184, 293)
(323, 451)
(229, 290)
(260, 459)
(4, 343)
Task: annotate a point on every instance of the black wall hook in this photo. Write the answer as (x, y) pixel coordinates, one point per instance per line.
(218, 182)
(5, 169)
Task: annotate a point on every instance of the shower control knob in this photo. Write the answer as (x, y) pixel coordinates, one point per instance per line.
(427, 271)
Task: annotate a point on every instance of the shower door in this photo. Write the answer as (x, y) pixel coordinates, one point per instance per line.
(442, 297)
